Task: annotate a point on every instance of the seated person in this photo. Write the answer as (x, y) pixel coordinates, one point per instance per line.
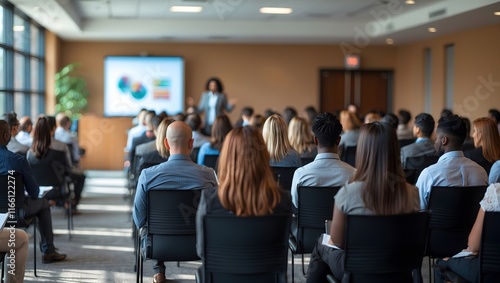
(423, 128)
(161, 153)
(301, 138)
(220, 128)
(275, 134)
(64, 135)
(14, 145)
(486, 143)
(25, 128)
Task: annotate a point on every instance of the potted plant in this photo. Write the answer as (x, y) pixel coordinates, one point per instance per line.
(71, 92)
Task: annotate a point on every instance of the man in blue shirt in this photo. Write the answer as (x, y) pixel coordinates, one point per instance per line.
(452, 168)
(33, 205)
(178, 173)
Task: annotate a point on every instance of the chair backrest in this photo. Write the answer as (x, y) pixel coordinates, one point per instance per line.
(13, 190)
(50, 171)
(384, 248)
(171, 222)
(194, 154)
(211, 161)
(253, 250)
(284, 176)
(489, 255)
(453, 212)
(415, 165)
(306, 160)
(405, 142)
(315, 206)
(349, 155)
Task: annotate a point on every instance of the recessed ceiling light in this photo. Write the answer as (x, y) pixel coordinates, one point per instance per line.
(389, 41)
(186, 9)
(410, 2)
(274, 10)
(18, 28)
(431, 29)
(497, 13)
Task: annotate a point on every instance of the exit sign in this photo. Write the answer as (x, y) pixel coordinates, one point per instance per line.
(352, 61)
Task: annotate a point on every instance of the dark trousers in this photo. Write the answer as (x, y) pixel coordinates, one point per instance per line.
(324, 261)
(465, 267)
(78, 181)
(40, 209)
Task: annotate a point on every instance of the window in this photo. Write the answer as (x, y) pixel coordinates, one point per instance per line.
(22, 63)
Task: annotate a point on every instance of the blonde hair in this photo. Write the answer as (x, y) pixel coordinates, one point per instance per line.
(490, 139)
(349, 121)
(160, 138)
(246, 183)
(300, 135)
(276, 138)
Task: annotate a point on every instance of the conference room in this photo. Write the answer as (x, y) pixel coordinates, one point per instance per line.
(420, 55)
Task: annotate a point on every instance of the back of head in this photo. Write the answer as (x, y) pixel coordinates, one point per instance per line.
(247, 112)
(467, 126)
(300, 135)
(289, 113)
(349, 120)
(62, 120)
(141, 116)
(178, 136)
(327, 129)
(454, 128)
(41, 137)
(372, 116)
(495, 115)
(156, 122)
(310, 113)
(257, 121)
(404, 116)
(275, 133)
(490, 138)
(221, 127)
(11, 118)
(379, 167)
(161, 135)
(446, 112)
(426, 124)
(4, 132)
(25, 124)
(246, 184)
(148, 120)
(52, 122)
(392, 120)
(194, 121)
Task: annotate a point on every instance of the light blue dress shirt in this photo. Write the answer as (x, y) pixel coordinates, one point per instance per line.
(206, 149)
(495, 173)
(452, 169)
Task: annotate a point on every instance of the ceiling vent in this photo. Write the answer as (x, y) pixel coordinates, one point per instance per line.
(437, 13)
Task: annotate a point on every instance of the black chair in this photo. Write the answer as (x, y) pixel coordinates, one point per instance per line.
(453, 213)
(315, 206)
(253, 250)
(415, 165)
(15, 186)
(211, 160)
(284, 176)
(349, 155)
(306, 160)
(489, 253)
(171, 227)
(2, 259)
(387, 248)
(194, 154)
(405, 142)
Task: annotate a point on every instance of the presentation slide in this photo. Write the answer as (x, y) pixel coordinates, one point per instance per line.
(133, 82)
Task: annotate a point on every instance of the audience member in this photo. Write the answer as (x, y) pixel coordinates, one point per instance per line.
(468, 267)
(378, 188)
(301, 138)
(220, 128)
(246, 187)
(25, 128)
(64, 135)
(213, 102)
(194, 121)
(494, 115)
(277, 143)
(257, 121)
(14, 145)
(137, 130)
(145, 137)
(404, 132)
(350, 124)
(423, 127)
(469, 141)
(372, 116)
(150, 146)
(392, 120)
(161, 153)
(178, 173)
(452, 168)
(14, 242)
(310, 114)
(33, 205)
(269, 112)
(246, 115)
(326, 170)
(494, 176)
(289, 113)
(487, 143)
(446, 112)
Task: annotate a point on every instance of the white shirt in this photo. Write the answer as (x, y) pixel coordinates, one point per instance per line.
(67, 138)
(452, 169)
(211, 115)
(24, 138)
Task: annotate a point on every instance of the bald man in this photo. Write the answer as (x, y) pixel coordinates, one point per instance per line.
(178, 173)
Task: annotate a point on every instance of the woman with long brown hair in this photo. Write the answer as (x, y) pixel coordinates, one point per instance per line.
(220, 128)
(378, 188)
(246, 183)
(486, 143)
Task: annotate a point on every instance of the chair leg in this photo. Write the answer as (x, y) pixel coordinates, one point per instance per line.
(35, 226)
(430, 269)
(138, 261)
(293, 268)
(303, 269)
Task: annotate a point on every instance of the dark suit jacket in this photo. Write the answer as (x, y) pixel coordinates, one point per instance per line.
(424, 148)
(476, 155)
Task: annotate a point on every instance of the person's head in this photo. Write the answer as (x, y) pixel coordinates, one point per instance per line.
(446, 112)
(11, 118)
(161, 135)
(450, 134)
(246, 113)
(494, 115)
(349, 120)
(214, 85)
(220, 128)
(327, 130)
(289, 113)
(372, 116)
(52, 124)
(4, 132)
(156, 123)
(300, 135)
(379, 168)
(404, 116)
(268, 113)
(310, 114)
(25, 124)
(392, 120)
(467, 127)
(352, 108)
(148, 120)
(41, 137)
(423, 126)
(275, 133)
(257, 121)
(179, 138)
(485, 135)
(246, 183)
(63, 121)
(194, 121)
(141, 115)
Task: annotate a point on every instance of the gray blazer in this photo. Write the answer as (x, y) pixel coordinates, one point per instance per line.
(17, 147)
(220, 106)
(423, 148)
